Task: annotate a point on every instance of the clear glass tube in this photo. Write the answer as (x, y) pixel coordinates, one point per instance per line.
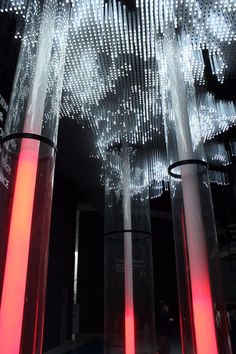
(129, 299)
(203, 319)
(27, 169)
(25, 222)
(197, 257)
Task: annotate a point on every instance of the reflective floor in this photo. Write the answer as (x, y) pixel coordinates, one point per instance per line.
(92, 347)
(93, 344)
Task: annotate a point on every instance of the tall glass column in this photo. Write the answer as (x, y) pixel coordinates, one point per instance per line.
(203, 320)
(129, 300)
(26, 182)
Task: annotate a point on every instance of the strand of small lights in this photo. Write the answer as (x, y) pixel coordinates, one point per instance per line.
(123, 105)
(215, 116)
(128, 90)
(218, 177)
(217, 155)
(139, 181)
(24, 73)
(233, 148)
(19, 7)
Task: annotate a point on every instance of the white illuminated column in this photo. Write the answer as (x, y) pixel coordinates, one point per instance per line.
(129, 299)
(128, 257)
(30, 136)
(204, 336)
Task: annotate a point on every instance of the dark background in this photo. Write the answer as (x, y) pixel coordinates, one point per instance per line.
(77, 181)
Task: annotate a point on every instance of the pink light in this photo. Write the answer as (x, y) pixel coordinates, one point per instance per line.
(129, 331)
(204, 322)
(197, 258)
(129, 303)
(14, 283)
(200, 292)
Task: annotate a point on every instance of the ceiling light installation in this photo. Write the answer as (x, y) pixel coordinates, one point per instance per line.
(18, 8)
(13, 6)
(113, 71)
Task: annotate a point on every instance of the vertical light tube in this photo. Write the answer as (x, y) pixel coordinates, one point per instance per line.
(76, 255)
(13, 293)
(129, 323)
(203, 314)
(128, 263)
(14, 283)
(75, 323)
(200, 286)
(24, 231)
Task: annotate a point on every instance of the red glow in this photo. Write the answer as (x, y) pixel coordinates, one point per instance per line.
(203, 315)
(14, 284)
(129, 303)
(129, 331)
(204, 322)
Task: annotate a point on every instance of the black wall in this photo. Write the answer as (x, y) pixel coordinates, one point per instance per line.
(61, 267)
(165, 281)
(91, 272)
(9, 50)
(61, 262)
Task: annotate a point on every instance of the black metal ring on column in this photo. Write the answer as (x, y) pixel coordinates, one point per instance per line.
(184, 162)
(40, 138)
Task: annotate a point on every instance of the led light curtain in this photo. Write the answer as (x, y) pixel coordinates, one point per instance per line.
(112, 73)
(129, 298)
(27, 169)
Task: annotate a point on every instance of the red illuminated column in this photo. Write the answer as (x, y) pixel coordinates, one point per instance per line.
(200, 284)
(197, 255)
(27, 169)
(15, 273)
